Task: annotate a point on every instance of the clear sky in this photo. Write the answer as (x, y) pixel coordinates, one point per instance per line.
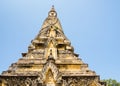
(93, 26)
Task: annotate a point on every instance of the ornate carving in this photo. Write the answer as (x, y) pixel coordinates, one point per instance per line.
(21, 81)
(38, 67)
(53, 68)
(80, 81)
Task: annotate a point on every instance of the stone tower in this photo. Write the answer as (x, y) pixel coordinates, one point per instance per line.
(50, 61)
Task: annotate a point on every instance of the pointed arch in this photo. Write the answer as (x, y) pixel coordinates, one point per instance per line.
(54, 70)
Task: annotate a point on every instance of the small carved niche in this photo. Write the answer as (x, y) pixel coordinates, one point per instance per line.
(40, 46)
(49, 78)
(61, 47)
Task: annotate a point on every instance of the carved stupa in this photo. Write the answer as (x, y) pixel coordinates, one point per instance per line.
(50, 61)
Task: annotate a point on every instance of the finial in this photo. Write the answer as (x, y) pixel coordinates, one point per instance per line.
(52, 12)
(52, 6)
(53, 9)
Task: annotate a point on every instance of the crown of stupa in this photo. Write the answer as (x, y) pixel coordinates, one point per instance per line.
(52, 12)
(51, 37)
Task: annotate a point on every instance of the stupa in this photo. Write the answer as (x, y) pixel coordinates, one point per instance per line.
(50, 61)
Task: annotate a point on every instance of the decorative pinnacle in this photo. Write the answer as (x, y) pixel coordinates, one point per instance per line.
(52, 9)
(52, 12)
(52, 6)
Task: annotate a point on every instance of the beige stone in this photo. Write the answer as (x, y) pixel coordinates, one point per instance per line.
(50, 61)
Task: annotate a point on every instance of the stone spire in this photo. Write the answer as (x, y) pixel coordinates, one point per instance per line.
(50, 42)
(50, 61)
(51, 21)
(52, 37)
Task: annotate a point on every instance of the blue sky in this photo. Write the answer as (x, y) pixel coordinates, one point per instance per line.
(93, 26)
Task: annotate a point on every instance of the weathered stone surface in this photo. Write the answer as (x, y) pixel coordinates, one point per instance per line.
(50, 61)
